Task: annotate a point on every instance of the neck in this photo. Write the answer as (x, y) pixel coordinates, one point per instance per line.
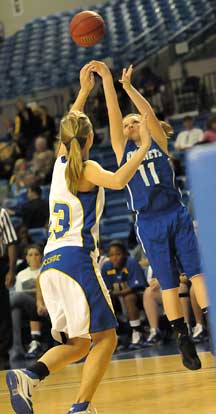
(34, 267)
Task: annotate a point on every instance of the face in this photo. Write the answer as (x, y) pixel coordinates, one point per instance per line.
(40, 144)
(116, 256)
(33, 258)
(188, 123)
(20, 104)
(131, 127)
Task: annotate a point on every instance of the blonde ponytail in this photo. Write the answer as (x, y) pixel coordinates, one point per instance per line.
(74, 130)
(74, 166)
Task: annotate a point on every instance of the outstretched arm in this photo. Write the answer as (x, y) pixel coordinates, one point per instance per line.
(144, 106)
(96, 175)
(86, 85)
(115, 117)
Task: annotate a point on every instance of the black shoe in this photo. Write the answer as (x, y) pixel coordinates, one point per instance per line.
(188, 352)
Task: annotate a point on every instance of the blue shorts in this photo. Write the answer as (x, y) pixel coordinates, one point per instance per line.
(170, 244)
(75, 294)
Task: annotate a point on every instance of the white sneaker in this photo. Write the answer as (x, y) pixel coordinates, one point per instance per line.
(34, 350)
(198, 329)
(136, 336)
(21, 383)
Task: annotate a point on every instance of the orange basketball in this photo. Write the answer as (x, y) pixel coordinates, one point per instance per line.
(87, 28)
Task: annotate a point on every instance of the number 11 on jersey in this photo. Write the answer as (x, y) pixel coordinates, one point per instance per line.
(143, 174)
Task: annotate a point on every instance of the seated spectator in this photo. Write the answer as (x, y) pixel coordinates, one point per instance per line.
(124, 278)
(153, 306)
(24, 240)
(189, 136)
(23, 305)
(199, 330)
(17, 180)
(43, 160)
(8, 154)
(24, 126)
(48, 128)
(35, 212)
(210, 132)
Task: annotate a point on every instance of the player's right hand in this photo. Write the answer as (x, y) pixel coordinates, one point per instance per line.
(100, 68)
(87, 81)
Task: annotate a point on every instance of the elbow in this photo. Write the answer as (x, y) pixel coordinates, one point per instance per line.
(119, 184)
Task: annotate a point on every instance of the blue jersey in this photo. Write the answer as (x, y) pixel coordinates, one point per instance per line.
(152, 189)
(130, 275)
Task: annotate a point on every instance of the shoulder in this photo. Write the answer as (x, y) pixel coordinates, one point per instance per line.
(23, 273)
(107, 266)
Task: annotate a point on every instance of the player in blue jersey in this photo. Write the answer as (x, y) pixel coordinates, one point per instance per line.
(75, 295)
(163, 224)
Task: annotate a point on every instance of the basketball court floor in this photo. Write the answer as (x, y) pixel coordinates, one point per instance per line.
(136, 382)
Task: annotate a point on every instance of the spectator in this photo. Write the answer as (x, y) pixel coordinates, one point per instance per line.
(210, 132)
(43, 160)
(8, 240)
(17, 180)
(189, 136)
(124, 278)
(24, 126)
(48, 128)
(152, 303)
(8, 154)
(35, 212)
(23, 305)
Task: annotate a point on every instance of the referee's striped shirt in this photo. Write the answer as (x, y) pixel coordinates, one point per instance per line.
(7, 233)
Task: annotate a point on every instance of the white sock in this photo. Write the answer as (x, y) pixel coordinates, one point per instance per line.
(135, 324)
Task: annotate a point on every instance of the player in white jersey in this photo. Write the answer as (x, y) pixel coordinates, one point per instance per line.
(74, 292)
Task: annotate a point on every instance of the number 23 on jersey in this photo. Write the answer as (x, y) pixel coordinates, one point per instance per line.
(60, 220)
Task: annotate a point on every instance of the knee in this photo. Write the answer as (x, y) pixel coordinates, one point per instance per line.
(147, 293)
(130, 299)
(107, 338)
(82, 345)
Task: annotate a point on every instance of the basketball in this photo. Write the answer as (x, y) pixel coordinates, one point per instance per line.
(87, 28)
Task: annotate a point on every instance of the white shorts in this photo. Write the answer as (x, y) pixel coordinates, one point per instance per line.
(75, 295)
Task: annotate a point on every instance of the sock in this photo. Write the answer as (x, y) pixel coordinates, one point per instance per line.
(179, 326)
(76, 408)
(40, 369)
(135, 325)
(36, 335)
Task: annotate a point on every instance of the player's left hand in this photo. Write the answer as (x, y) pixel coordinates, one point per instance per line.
(126, 77)
(9, 280)
(87, 80)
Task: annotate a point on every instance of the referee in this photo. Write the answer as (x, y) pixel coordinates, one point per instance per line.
(8, 257)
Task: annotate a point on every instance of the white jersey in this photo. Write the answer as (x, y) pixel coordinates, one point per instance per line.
(74, 220)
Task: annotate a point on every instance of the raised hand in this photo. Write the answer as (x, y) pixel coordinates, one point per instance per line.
(87, 81)
(100, 68)
(126, 77)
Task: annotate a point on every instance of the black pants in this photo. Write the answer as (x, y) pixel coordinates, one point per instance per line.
(6, 339)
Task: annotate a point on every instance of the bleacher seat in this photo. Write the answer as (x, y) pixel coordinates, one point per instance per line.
(47, 40)
(38, 234)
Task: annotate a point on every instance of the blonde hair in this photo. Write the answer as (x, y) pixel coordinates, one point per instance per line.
(168, 129)
(74, 129)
